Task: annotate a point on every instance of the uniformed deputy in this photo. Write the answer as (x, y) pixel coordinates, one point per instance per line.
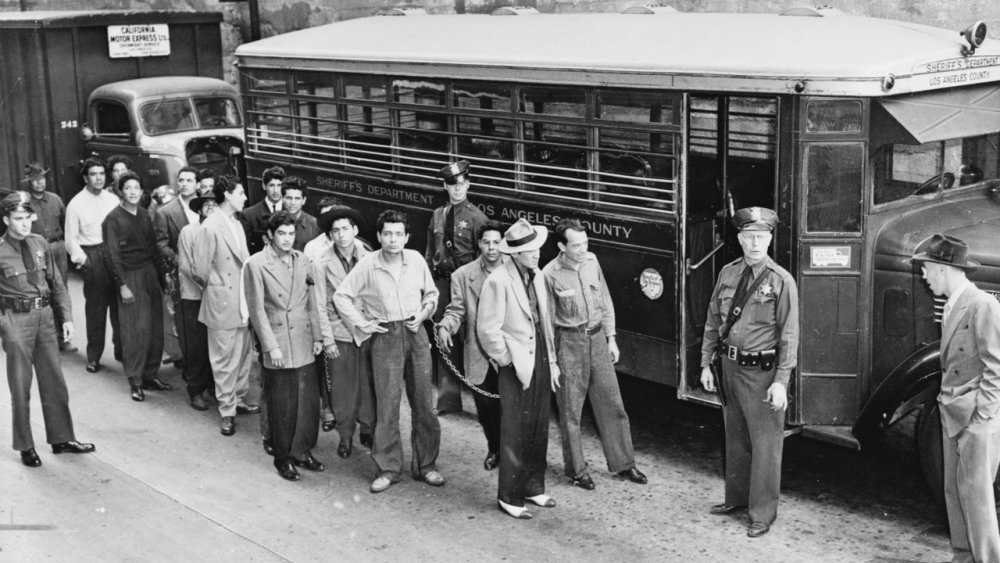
(51, 212)
(28, 332)
(451, 244)
(753, 325)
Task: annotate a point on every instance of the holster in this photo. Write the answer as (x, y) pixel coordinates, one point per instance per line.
(716, 368)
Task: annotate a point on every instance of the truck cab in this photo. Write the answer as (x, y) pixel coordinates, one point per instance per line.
(165, 123)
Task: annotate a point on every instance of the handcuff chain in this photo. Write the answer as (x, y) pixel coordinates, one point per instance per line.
(458, 374)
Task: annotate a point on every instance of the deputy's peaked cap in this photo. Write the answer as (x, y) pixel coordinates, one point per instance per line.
(755, 219)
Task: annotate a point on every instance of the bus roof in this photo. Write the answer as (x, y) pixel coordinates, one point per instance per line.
(828, 55)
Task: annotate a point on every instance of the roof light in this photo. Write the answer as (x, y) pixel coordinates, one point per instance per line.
(651, 8)
(812, 12)
(514, 11)
(975, 34)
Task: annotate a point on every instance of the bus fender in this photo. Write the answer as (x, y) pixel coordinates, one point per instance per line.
(905, 389)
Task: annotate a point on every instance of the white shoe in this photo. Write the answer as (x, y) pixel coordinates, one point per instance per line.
(519, 512)
(543, 500)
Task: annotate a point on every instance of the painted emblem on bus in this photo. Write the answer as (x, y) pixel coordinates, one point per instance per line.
(651, 283)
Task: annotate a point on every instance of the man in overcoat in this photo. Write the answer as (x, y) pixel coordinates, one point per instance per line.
(969, 398)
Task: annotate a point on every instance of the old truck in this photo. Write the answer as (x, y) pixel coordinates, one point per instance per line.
(146, 85)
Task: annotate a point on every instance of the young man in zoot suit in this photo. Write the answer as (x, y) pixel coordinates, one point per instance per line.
(758, 344)
(969, 398)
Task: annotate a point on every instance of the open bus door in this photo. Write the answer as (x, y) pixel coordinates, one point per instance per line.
(731, 163)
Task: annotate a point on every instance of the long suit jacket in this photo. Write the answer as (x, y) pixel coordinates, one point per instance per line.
(463, 309)
(254, 220)
(970, 360)
(167, 223)
(506, 326)
(217, 262)
(282, 306)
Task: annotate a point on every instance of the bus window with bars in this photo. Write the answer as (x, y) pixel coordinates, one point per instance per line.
(484, 132)
(556, 159)
(367, 127)
(637, 164)
(424, 144)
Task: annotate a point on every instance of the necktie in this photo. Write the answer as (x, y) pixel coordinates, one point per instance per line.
(449, 227)
(29, 262)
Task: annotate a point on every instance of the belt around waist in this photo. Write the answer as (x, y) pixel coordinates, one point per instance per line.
(582, 329)
(92, 246)
(23, 304)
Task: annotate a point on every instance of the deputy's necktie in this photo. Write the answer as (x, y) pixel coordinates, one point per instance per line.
(29, 263)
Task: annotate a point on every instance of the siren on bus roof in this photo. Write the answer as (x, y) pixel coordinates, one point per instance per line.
(975, 34)
(402, 10)
(514, 11)
(813, 12)
(651, 8)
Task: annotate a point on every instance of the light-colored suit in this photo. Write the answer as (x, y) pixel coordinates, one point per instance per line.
(970, 421)
(463, 308)
(282, 308)
(218, 260)
(507, 334)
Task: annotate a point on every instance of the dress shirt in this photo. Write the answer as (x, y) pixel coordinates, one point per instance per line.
(952, 299)
(84, 216)
(580, 293)
(131, 242)
(382, 296)
(51, 215)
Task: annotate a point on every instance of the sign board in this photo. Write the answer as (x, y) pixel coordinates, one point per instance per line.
(830, 257)
(956, 72)
(138, 40)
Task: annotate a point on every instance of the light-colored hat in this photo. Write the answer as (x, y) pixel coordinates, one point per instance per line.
(522, 236)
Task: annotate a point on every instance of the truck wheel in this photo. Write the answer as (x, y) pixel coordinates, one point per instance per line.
(929, 449)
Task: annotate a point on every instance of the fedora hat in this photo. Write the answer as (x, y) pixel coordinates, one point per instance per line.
(523, 237)
(33, 171)
(327, 219)
(947, 250)
(198, 202)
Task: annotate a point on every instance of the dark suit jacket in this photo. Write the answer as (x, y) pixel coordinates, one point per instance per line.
(306, 229)
(254, 219)
(970, 360)
(167, 224)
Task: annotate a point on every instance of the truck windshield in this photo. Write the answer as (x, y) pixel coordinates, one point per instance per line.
(904, 170)
(172, 116)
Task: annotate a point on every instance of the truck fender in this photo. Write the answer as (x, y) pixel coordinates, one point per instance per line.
(905, 389)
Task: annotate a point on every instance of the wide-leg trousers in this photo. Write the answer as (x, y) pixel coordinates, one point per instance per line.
(755, 440)
(293, 409)
(587, 372)
(488, 409)
(140, 324)
(524, 430)
(29, 341)
(351, 392)
(401, 359)
(100, 296)
(193, 337)
(231, 354)
(970, 466)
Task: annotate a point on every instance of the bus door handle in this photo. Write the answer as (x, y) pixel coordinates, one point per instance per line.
(692, 267)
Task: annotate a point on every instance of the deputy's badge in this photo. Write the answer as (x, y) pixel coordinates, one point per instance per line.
(463, 224)
(766, 290)
(755, 214)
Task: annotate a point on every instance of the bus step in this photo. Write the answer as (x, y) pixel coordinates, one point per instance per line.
(839, 435)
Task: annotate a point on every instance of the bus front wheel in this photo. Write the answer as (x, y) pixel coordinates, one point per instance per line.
(929, 449)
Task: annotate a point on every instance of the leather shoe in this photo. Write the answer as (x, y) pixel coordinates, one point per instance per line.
(268, 448)
(156, 385)
(93, 367)
(30, 458)
(380, 484)
(228, 427)
(67, 347)
(367, 440)
(633, 475)
(344, 450)
(310, 463)
(73, 447)
(136, 390)
(198, 402)
(724, 508)
(758, 529)
(519, 512)
(492, 461)
(584, 482)
(246, 408)
(287, 471)
(328, 425)
(433, 478)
